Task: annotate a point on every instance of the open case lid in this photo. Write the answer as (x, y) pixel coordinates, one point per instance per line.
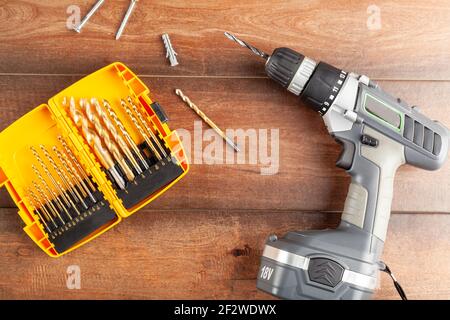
(110, 83)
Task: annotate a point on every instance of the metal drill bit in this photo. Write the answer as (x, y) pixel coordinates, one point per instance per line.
(42, 207)
(49, 190)
(96, 144)
(145, 125)
(89, 15)
(117, 137)
(140, 129)
(256, 51)
(200, 113)
(103, 133)
(41, 217)
(125, 18)
(50, 205)
(65, 180)
(170, 51)
(56, 184)
(124, 132)
(77, 163)
(68, 173)
(75, 175)
(35, 201)
(48, 201)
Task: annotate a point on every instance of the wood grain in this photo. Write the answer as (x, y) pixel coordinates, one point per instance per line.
(206, 254)
(411, 44)
(307, 178)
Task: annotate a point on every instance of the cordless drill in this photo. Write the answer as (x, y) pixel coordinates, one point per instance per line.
(378, 133)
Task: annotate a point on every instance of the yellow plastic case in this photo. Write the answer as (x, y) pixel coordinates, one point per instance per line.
(45, 123)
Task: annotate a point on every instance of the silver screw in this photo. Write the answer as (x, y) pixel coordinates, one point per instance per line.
(125, 19)
(89, 15)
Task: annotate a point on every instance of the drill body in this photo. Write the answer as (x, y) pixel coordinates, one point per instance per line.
(378, 133)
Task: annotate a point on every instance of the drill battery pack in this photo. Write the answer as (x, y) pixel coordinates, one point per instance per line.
(99, 151)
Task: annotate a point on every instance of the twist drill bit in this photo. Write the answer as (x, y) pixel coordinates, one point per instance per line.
(42, 207)
(68, 173)
(55, 183)
(48, 201)
(117, 137)
(110, 145)
(124, 132)
(170, 52)
(146, 126)
(96, 143)
(41, 218)
(191, 105)
(140, 129)
(125, 18)
(76, 162)
(75, 175)
(256, 51)
(65, 179)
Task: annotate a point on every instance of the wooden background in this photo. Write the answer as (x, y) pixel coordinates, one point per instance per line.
(204, 237)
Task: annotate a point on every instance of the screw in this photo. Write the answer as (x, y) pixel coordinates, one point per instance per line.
(125, 19)
(89, 15)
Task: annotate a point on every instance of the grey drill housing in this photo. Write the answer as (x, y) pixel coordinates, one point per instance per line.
(378, 133)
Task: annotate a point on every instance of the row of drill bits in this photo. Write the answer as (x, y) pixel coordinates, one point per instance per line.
(105, 133)
(66, 193)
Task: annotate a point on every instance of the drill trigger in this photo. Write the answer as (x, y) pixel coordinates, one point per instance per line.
(345, 160)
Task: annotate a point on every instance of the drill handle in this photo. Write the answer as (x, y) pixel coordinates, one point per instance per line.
(368, 203)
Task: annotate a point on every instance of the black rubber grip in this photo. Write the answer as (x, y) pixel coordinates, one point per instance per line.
(323, 87)
(283, 65)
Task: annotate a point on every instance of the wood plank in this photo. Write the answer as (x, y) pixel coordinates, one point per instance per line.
(206, 254)
(307, 178)
(35, 38)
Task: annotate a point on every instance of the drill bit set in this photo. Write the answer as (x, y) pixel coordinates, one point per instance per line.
(127, 164)
(69, 207)
(97, 153)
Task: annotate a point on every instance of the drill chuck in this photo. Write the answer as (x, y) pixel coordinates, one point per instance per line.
(316, 84)
(283, 65)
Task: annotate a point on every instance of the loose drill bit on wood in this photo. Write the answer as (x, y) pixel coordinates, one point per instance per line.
(191, 105)
(125, 19)
(170, 52)
(256, 51)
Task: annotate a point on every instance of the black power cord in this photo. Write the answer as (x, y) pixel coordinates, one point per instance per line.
(384, 267)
